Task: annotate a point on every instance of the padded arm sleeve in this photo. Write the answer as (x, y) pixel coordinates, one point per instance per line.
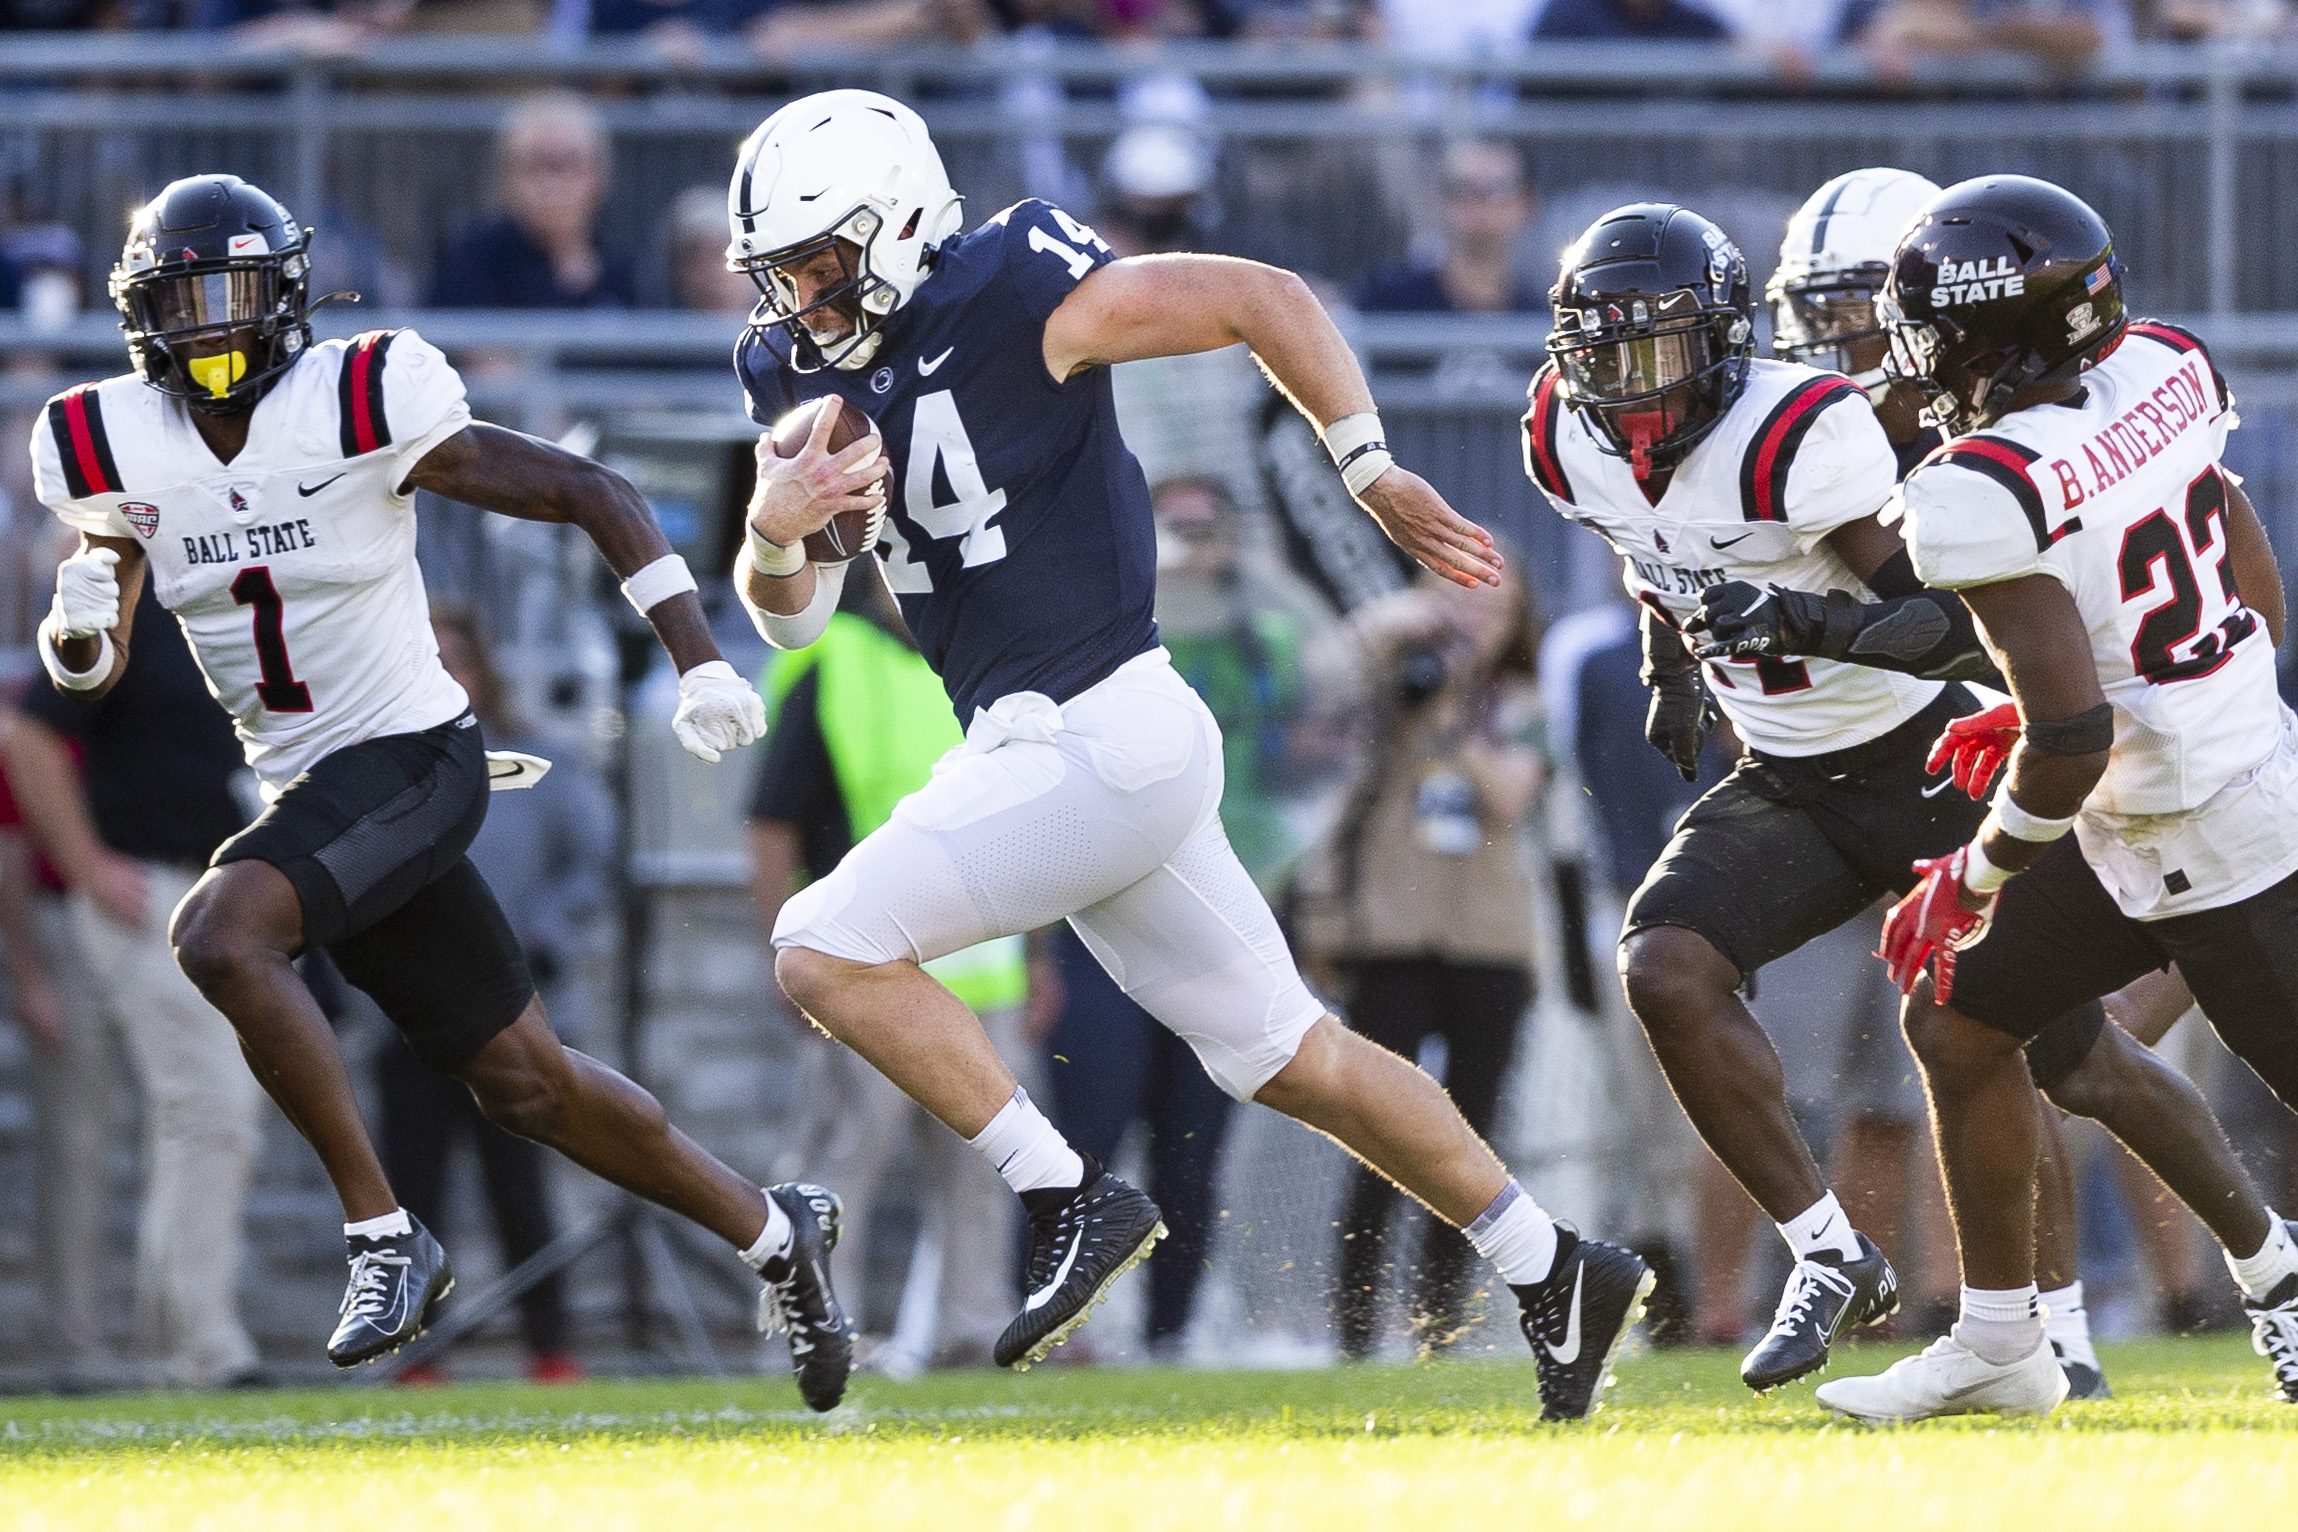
(798, 631)
(1913, 629)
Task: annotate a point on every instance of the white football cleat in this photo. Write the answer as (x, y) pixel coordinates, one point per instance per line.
(1948, 1378)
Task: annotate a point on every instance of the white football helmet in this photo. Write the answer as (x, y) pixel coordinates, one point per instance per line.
(1832, 263)
(840, 165)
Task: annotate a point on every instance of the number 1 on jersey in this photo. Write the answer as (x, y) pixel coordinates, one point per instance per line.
(279, 690)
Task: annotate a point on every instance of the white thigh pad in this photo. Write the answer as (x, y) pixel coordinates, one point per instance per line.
(1195, 945)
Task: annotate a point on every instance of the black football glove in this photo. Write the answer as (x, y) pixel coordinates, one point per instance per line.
(1678, 721)
(1737, 621)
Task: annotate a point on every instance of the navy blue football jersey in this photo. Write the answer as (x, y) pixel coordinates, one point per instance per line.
(1018, 538)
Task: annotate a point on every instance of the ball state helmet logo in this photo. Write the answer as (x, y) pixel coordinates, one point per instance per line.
(144, 518)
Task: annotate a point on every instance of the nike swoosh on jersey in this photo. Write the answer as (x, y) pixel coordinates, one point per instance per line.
(1938, 787)
(927, 369)
(1038, 1299)
(308, 490)
(1729, 542)
(1569, 1352)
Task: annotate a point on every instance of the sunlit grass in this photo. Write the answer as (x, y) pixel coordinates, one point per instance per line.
(2192, 1433)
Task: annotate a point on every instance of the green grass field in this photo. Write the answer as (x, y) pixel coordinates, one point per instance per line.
(2191, 1436)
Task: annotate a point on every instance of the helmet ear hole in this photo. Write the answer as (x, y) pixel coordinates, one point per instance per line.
(910, 229)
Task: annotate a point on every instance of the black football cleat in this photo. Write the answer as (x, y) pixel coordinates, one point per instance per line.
(1578, 1316)
(2085, 1380)
(1826, 1295)
(799, 1301)
(397, 1281)
(2274, 1331)
(1081, 1240)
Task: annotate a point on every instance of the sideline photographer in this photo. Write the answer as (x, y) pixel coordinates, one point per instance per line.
(1419, 901)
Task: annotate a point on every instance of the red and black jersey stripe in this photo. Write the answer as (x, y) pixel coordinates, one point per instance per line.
(2006, 462)
(76, 420)
(1763, 471)
(1541, 458)
(2182, 341)
(359, 392)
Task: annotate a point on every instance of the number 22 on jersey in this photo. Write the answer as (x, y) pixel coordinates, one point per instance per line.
(941, 457)
(2157, 539)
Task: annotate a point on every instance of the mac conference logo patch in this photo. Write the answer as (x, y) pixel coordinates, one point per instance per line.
(144, 518)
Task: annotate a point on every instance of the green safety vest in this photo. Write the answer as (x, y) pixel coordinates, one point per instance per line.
(885, 720)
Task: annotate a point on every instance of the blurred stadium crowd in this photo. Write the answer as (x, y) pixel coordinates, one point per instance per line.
(156, 1225)
(2064, 33)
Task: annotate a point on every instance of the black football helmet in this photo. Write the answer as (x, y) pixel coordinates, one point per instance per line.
(1654, 329)
(213, 288)
(2002, 283)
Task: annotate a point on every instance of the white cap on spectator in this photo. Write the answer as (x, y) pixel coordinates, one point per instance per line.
(1175, 100)
(1158, 162)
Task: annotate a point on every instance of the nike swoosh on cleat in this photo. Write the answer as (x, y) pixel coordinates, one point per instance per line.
(308, 490)
(1038, 1299)
(1569, 1352)
(927, 369)
(1938, 787)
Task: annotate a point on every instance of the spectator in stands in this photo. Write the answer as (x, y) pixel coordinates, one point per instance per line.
(81, 15)
(1420, 895)
(1157, 180)
(1486, 206)
(2063, 36)
(73, 1087)
(1108, 1064)
(40, 274)
(2191, 21)
(699, 278)
(1588, 21)
(319, 27)
(546, 852)
(541, 251)
(160, 794)
(858, 721)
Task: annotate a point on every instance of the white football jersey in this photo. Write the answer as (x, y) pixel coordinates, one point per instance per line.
(2118, 496)
(292, 567)
(1799, 454)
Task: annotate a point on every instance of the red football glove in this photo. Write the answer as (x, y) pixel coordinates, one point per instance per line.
(1930, 921)
(1978, 745)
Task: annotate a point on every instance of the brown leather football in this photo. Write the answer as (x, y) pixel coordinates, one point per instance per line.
(848, 534)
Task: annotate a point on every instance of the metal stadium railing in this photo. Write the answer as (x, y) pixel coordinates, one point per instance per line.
(2191, 153)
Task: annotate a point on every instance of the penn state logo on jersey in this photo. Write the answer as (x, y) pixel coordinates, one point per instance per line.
(1018, 537)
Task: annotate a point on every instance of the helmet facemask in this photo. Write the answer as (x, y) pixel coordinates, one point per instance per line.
(215, 332)
(1818, 320)
(1964, 388)
(860, 298)
(1650, 386)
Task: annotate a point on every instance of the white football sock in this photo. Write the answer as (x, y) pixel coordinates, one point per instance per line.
(2001, 1325)
(1026, 1148)
(394, 1222)
(2068, 1324)
(2260, 1274)
(1821, 1229)
(1515, 1236)
(773, 1240)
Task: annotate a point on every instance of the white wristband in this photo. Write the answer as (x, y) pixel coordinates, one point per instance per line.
(666, 577)
(53, 663)
(772, 559)
(1981, 876)
(2006, 816)
(1359, 448)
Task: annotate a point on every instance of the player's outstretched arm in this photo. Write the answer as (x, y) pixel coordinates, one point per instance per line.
(517, 475)
(1911, 628)
(1175, 305)
(83, 641)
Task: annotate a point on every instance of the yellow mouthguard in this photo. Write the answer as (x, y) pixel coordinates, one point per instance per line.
(217, 374)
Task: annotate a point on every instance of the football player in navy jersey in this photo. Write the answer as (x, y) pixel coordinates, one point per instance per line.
(1017, 536)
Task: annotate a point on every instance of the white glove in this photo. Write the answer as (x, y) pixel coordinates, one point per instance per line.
(718, 711)
(87, 593)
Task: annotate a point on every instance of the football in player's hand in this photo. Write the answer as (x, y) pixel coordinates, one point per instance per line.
(848, 534)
